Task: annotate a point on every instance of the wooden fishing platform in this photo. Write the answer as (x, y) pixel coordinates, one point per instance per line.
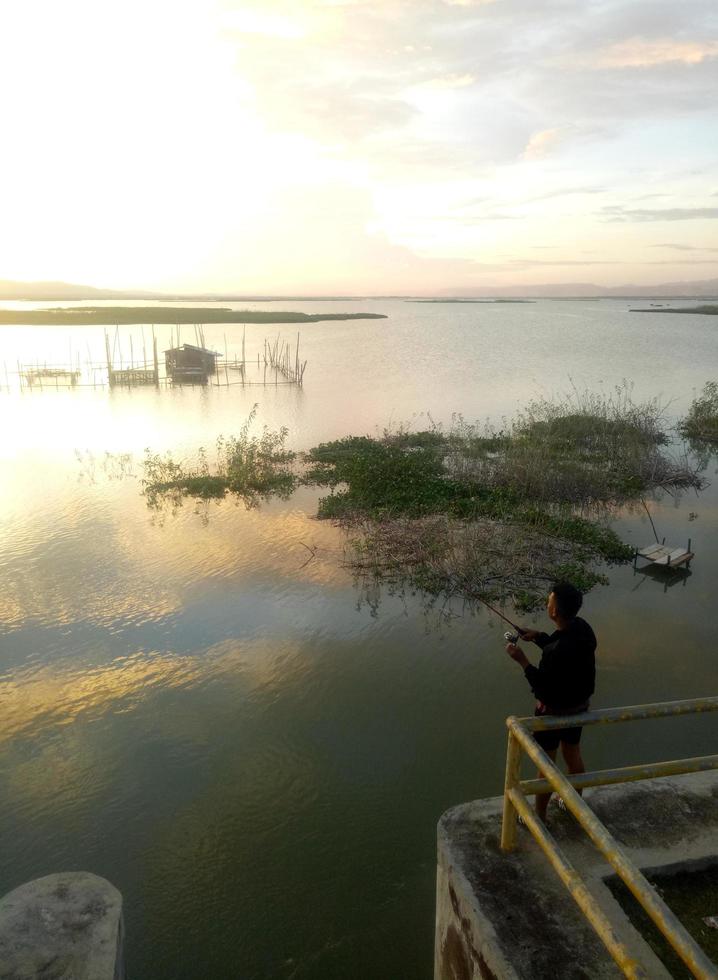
(61, 376)
(193, 364)
(664, 555)
(133, 376)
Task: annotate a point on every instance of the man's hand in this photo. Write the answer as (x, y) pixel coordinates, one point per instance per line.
(529, 635)
(517, 654)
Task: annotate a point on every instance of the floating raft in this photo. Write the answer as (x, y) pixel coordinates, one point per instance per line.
(663, 554)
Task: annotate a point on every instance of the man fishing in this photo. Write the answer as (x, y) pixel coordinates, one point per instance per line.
(565, 678)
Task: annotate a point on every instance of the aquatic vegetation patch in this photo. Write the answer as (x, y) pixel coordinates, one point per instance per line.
(584, 450)
(253, 467)
(471, 512)
(499, 514)
(479, 559)
(381, 477)
(701, 422)
(113, 315)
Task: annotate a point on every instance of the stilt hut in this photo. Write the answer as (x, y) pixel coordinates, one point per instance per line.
(190, 364)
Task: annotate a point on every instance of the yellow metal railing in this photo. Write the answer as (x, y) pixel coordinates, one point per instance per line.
(516, 804)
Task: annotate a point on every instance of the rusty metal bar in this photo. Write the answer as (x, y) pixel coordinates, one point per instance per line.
(678, 937)
(577, 887)
(513, 775)
(626, 774)
(636, 712)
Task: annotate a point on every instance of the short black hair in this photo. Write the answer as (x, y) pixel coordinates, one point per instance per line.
(568, 599)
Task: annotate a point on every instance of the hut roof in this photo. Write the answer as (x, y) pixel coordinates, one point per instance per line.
(192, 347)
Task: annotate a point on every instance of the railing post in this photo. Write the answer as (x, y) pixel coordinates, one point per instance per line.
(511, 781)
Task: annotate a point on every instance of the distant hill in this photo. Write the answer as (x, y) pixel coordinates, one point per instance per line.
(48, 291)
(557, 290)
(42, 291)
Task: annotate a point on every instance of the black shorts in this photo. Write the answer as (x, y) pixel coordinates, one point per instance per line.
(549, 740)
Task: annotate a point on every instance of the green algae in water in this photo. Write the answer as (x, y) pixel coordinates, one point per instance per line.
(691, 896)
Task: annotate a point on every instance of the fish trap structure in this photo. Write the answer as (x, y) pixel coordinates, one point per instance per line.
(133, 374)
(277, 362)
(49, 376)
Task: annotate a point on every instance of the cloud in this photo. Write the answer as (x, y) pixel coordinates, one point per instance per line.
(540, 143)
(451, 81)
(339, 112)
(535, 198)
(619, 213)
(535, 263)
(488, 216)
(684, 248)
(420, 103)
(640, 53)
(564, 192)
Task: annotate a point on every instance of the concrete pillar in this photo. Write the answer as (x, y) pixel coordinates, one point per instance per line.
(64, 925)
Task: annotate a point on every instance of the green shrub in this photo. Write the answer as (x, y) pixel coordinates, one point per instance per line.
(702, 419)
(252, 467)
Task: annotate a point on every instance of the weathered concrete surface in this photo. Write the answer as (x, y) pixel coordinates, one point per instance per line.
(509, 916)
(63, 927)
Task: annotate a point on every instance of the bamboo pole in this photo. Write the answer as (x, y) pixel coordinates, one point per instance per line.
(110, 378)
(155, 358)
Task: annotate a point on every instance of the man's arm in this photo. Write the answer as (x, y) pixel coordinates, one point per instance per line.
(532, 674)
(535, 636)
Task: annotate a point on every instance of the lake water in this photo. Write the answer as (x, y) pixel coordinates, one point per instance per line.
(254, 750)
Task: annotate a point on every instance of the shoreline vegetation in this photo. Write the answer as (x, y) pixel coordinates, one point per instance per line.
(125, 315)
(706, 310)
(464, 512)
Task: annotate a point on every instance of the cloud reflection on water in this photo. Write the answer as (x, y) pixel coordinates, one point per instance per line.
(44, 699)
(92, 554)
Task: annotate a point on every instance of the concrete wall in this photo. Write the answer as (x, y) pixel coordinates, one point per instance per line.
(65, 926)
(508, 916)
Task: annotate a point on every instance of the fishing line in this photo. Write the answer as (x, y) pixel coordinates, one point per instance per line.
(488, 605)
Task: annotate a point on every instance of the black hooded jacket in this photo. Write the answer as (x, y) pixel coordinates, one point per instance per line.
(566, 675)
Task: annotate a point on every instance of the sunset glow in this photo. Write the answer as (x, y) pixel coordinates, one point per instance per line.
(341, 146)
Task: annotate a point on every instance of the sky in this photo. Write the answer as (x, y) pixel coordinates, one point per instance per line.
(341, 146)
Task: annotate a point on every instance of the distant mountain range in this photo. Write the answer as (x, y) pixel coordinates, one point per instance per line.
(703, 288)
(62, 291)
(44, 291)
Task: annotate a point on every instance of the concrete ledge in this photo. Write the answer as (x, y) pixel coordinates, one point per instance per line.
(63, 927)
(509, 916)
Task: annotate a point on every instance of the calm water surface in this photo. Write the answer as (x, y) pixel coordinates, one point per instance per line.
(253, 749)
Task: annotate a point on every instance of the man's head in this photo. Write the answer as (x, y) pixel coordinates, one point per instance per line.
(564, 601)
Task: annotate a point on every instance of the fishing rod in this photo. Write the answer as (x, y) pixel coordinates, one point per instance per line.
(488, 605)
